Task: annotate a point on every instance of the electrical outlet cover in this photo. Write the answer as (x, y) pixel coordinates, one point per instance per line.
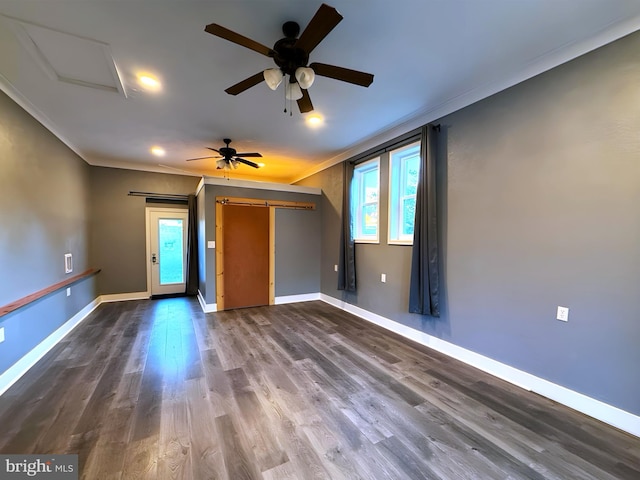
(563, 314)
(68, 263)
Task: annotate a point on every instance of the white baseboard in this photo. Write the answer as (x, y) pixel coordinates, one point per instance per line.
(121, 297)
(206, 307)
(22, 366)
(304, 297)
(589, 406)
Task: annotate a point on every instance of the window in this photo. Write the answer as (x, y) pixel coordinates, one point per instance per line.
(404, 166)
(365, 188)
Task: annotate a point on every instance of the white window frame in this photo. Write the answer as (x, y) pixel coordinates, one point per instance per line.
(396, 176)
(358, 201)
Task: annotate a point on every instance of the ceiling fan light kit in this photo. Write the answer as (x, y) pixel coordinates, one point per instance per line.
(272, 77)
(294, 92)
(305, 77)
(229, 158)
(291, 55)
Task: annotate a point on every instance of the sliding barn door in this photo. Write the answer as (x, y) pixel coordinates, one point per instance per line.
(245, 232)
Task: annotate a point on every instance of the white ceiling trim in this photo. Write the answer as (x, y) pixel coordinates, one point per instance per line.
(154, 168)
(14, 94)
(614, 31)
(280, 187)
(544, 62)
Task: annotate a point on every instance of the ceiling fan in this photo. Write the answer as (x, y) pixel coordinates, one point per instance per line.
(291, 55)
(228, 157)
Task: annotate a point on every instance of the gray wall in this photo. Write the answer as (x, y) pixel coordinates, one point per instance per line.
(118, 237)
(52, 203)
(291, 278)
(297, 257)
(539, 191)
(330, 181)
(44, 190)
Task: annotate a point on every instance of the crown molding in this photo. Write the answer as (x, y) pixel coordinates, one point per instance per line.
(551, 59)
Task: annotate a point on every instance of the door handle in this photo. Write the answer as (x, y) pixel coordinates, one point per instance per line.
(154, 258)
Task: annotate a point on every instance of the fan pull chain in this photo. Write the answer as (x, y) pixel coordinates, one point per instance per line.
(290, 101)
(285, 92)
(286, 82)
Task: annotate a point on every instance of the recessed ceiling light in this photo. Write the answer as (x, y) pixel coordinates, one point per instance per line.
(158, 151)
(314, 120)
(149, 82)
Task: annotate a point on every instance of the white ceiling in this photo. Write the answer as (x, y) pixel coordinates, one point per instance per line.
(429, 58)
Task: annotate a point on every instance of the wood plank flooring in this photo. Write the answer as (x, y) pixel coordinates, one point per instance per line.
(159, 390)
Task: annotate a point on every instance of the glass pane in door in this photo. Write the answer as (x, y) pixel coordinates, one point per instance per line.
(170, 235)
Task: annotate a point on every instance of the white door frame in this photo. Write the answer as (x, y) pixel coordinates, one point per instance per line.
(148, 211)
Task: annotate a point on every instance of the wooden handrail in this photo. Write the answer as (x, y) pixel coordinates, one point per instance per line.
(13, 306)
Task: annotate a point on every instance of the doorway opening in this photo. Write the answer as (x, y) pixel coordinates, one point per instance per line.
(166, 250)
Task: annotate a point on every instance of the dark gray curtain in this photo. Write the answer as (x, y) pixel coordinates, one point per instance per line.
(192, 248)
(424, 284)
(347, 260)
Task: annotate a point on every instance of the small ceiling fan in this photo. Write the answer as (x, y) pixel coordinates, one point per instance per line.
(228, 158)
(291, 55)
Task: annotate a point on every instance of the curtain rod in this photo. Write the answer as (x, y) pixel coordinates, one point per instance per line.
(397, 142)
(385, 147)
(169, 196)
(266, 204)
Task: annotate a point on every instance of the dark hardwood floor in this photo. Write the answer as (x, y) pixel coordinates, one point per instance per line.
(157, 389)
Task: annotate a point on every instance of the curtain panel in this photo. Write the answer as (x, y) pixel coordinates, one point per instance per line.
(192, 248)
(424, 287)
(347, 259)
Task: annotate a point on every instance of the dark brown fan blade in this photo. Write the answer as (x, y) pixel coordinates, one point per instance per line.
(241, 40)
(199, 158)
(325, 19)
(304, 104)
(344, 74)
(254, 154)
(245, 84)
(214, 149)
(246, 162)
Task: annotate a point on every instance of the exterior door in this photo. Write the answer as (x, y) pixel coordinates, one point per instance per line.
(167, 250)
(246, 256)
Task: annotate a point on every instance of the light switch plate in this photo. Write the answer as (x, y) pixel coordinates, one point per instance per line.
(335, 268)
(211, 244)
(68, 291)
(383, 277)
(1, 334)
